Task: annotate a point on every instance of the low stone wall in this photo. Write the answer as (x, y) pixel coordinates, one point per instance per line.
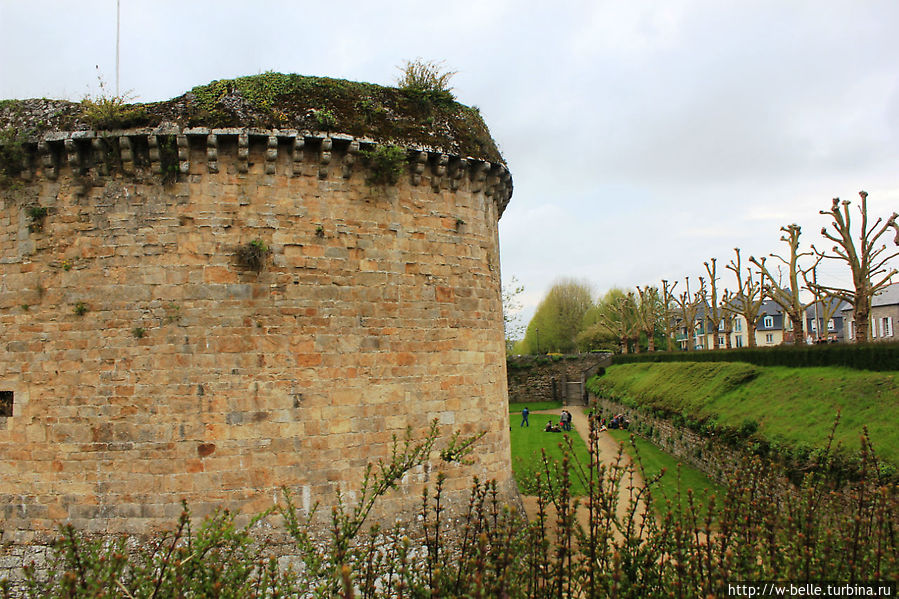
(713, 457)
(552, 378)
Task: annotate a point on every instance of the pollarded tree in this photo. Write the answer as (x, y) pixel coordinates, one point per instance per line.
(825, 304)
(688, 310)
(715, 313)
(649, 314)
(747, 300)
(559, 318)
(867, 263)
(669, 312)
(727, 318)
(788, 297)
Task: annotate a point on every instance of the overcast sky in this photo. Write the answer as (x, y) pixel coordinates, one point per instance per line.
(643, 137)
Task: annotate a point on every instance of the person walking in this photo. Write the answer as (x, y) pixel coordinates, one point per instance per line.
(524, 417)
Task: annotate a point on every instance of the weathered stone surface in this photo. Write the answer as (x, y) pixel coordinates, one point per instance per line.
(150, 366)
(552, 378)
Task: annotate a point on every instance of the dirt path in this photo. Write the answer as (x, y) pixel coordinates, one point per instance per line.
(608, 453)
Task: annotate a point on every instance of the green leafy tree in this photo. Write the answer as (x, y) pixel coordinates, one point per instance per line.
(559, 318)
(614, 319)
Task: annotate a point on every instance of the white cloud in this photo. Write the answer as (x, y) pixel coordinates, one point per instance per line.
(643, 137)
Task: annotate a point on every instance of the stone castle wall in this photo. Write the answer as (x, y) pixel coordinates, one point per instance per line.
(552, 378)
(147, 365)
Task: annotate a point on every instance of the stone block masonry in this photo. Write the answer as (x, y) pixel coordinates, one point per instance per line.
(146, 364)
(552, 378)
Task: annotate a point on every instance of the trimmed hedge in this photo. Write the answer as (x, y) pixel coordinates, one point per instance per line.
(868, 356)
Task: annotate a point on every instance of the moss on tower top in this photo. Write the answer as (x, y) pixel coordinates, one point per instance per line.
(409, 117)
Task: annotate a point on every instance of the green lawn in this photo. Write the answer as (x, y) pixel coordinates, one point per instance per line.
(516, 408)
(655, 460)
(527, 443)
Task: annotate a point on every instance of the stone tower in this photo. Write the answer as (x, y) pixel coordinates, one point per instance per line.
(253, 286)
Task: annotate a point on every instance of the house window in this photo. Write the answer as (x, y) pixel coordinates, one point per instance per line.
(721, 340)
(873, 327)
(738, 325)
(768, 322)
(769, 338)
(852, 329)
(721, 326)
(886, 326)
(6, 398)
(739, 339)
(830, 325)
(814, 325)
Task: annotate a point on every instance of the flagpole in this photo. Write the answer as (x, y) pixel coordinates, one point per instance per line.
(117, 21)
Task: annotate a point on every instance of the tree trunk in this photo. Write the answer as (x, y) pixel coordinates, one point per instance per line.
(650, 342)
(750, 333)
(862, 323)
(798, 334)
(623, 345)
(716, 342)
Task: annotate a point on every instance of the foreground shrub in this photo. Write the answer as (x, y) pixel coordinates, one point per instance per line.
(615, 548)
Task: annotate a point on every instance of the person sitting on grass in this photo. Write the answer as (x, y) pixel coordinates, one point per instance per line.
(552, 429)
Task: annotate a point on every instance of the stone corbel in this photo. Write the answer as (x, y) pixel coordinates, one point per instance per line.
(350, 158)
(212, 153)
(479, 176)
(456, 171)
(299, 142)
(126, 152)
(271, 155)
(183, 154)
(325, 159)
(72, 156)
(439, 171)
(421, 158)
(243, 152)
(155, 156)
(47, 163)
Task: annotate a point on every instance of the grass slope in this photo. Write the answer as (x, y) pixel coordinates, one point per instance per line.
(793, 406)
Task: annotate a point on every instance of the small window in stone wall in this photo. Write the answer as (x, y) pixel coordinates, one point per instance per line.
(6, 398)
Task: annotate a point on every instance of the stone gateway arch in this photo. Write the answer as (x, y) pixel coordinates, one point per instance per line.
(252, 287)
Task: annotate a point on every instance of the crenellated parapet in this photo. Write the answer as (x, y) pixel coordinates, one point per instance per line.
(169, 151)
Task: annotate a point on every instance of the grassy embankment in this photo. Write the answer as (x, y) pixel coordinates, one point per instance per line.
(791, 409)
